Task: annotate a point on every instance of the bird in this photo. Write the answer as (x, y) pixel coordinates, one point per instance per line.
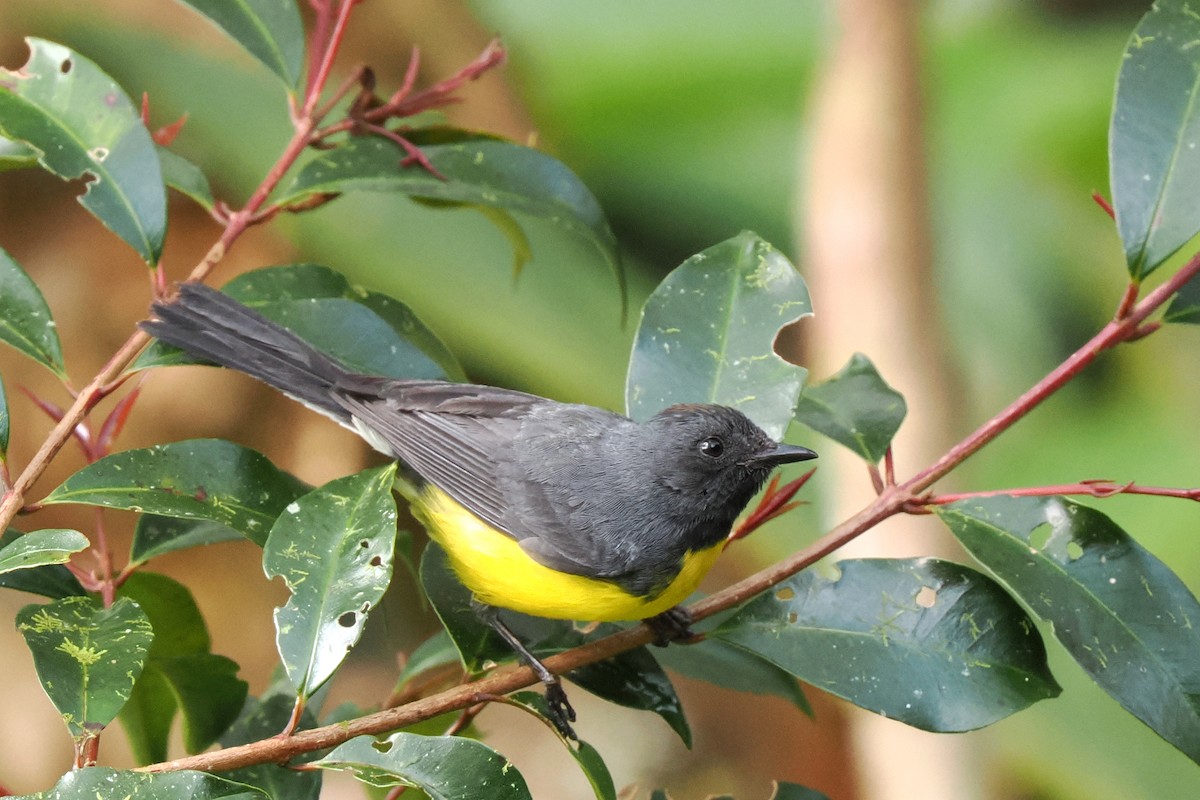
(557, 510)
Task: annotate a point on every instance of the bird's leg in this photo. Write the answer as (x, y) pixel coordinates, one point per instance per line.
(672, 625)
(561, 712)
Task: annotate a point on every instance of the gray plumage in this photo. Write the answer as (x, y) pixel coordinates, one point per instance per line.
(583, 490)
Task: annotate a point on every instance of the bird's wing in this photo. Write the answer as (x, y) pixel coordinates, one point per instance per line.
(451, 434)
(463, 439)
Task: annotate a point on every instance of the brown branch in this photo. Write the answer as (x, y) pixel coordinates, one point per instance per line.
(1092, 488)
(895, 498)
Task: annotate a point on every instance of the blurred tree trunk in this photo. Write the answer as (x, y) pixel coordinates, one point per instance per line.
(869, 258)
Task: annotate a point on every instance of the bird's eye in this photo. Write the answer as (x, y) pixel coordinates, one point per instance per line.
(712, 447)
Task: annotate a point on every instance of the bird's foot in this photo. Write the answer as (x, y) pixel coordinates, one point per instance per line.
(561, 712)
(672, 625)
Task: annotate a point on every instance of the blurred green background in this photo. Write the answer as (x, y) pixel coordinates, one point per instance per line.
(688, 120)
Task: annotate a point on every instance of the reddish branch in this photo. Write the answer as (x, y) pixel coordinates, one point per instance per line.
(1092, 488)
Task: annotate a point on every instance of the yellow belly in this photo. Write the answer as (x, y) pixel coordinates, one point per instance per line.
(499, 573)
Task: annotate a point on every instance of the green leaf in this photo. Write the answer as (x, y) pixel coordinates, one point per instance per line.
(1121, 613)
(586, 756)
(367, 330)
(262, 719)
(632, 679)
(83, 126)
(51, 580)
(794, 791)
(186, 178)
(180, 674)
(479, 171)
(724, 664)
(155, 535)
(855, 408)
(930, 643)
(444, 767)
(87, 657)
(196, 479)
(435, 652)
(1185, 307)
(16, 155)
(333, 547)
(25, 321)
(269, 30)
(707, 335)
(97, 782)
(38, 548)
(1154, 162)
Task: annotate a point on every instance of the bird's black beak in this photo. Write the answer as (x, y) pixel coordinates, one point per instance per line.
(785, 454)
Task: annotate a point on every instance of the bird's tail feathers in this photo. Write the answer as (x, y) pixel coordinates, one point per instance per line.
(210, 325)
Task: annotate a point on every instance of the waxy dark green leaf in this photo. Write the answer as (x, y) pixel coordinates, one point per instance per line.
(1126, 618)
(855, 408)
(16, 155)
(155, 535)
(263, 718)
(733, 667)
(83, 126)
(196, 479)
(52, 580)
(931, 643)
(367, 330)
(186, 178)
(25, 321)
(333, 547)
(1185, 307)
(586, 756)
(632, 679)
(479, 171)
(444, 767)
(1154, 140)
(38, 548)
(87, 657)
(180, 674)
(104, 782)
(707, 335)
(269, 30)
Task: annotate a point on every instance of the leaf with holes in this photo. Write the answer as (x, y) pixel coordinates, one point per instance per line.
(97, 782)
(477, 171)
(39, 548)
(87, 657)
(270, 30)
(196, 479)
(367, 330)
(1154, 139)
(25, 321)
(707, 335)
(444, 767)
(1121, 613)
(333, 547)
(180, 675)
(855, 408)
(82, 125)
(933, 644)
